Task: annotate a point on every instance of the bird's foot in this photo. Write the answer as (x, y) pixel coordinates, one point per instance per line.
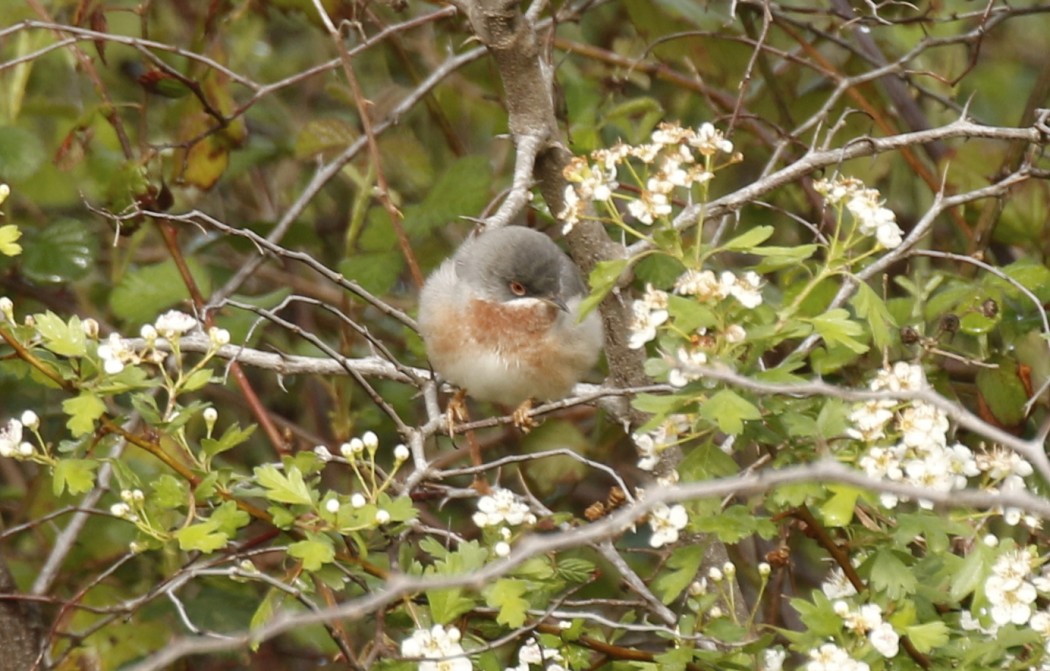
(521, 417)
(456, 412)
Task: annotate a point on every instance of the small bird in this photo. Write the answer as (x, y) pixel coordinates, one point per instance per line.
(500, 319)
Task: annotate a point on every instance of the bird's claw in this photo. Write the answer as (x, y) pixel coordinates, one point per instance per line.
(522, 417)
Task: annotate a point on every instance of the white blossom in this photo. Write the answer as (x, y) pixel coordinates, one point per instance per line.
(438, 649)
(10, 438)
(174, 323)
(885, 640)
(502, 506)
(666, 522)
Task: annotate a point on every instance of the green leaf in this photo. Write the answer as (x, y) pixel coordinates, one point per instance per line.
(972, 573)
(21, 154)
(575, 570)
(228, 518)
(448, 604)
(602, 280)
(775, 258)
(836, 327)
(462, 189)
(1003, 391)
(928, 636)
(83, 410)
(890, 575)
(143, 293)
(315, 551)
(267, 607)
(202, 536)
(284, 488)
(507, 594)
(59, 337)
(231, 438)
(682, 568)
(376, 272)
(197, 380)
(66, 250)
(8, 236)
(728, 410)
(837, 511)
(76, 476)
(746, 242)
(689, 314)
(401, 509)
(734, 524)
(320, 135)
(870, 306)
(169, 492)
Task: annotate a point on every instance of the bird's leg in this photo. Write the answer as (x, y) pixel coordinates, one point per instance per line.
(456, 412)
(521, 417)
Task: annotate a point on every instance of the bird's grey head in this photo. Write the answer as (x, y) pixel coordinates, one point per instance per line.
(513, 262)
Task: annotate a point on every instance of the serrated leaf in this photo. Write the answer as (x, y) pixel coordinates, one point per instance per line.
(284, 488)
(689, 314)
(66, 250)
(575, 570)
(169, 492)
(890, 575)
(75, 476)
(746, 242)
(928, 636)
(681, 570)
(462, 189)
(314, 552)
(197, 380)
(228, 518)
(401, 509)
(448, 604)
(83, 410)
(267, 607)
(728, 410)
(836, 327)
(971, 573)
(734, 524)
(231, 438)
(507, 594)
(144, 292)
(9, 234)
(203, 537)
(775, 258)
(376, 272)
(602, 280)
(870, 306)
(21, 154)
(59, 337)
(321, 135)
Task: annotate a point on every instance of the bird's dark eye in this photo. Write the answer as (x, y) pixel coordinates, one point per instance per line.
(517, 288)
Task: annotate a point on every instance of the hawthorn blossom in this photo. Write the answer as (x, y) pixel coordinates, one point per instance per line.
(830, 657)
(666, 522)
(532, 653)
(651, 444)
(744, 288)
(10, 438)
(683, 370)
(438, 648)
(502, 506)
(885, 640)
(649, 312)
(703, 284)
(174, 323)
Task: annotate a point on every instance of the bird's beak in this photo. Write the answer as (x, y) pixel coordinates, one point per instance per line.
(558, 302)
